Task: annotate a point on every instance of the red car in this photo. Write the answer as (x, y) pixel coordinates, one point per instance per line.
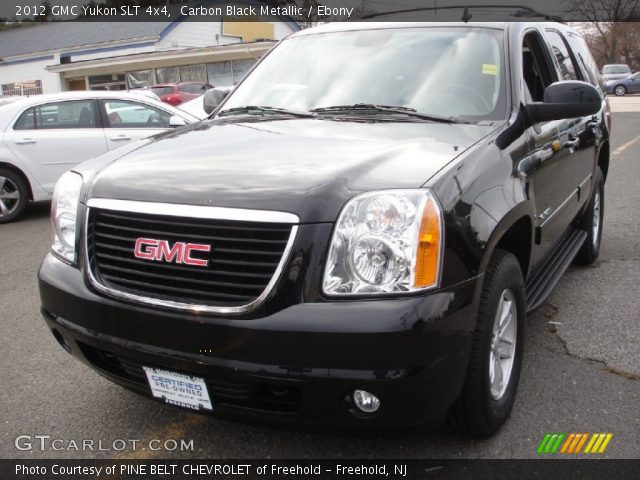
(177, 93)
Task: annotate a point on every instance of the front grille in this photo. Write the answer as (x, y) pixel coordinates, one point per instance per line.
(256, 394)
(244, 257)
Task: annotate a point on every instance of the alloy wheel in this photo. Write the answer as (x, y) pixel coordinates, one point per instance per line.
(9, 196)
(503, 344)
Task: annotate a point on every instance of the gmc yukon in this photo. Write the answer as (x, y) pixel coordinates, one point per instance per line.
(354, 237)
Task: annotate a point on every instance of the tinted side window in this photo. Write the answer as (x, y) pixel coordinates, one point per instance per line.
(561, 52)
(72, 114)
(585, 59)
(26, 121)
(125, 114)
(535, 66)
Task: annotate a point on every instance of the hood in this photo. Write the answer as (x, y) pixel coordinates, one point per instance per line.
(308, 167)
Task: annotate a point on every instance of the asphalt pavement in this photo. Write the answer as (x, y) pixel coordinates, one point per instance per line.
(581, 368)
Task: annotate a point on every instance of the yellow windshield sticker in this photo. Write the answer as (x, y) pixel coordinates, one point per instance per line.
(489, 69)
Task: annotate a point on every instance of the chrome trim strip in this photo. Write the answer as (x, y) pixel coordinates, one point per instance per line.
(194, 211)
(574, 194)
(214, 213)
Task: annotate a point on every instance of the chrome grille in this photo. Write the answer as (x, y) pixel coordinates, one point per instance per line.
(245, 259)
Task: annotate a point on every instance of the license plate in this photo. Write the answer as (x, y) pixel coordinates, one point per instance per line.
(179, 389)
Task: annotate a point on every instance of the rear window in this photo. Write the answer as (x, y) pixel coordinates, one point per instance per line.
(162, 90)
(191, 88)
(616, 69)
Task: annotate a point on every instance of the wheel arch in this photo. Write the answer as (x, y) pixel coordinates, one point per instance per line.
(515, 234)
(604, 156)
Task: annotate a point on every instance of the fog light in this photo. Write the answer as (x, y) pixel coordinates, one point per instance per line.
(365, 401)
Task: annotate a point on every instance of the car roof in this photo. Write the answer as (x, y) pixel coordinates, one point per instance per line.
(357, 26)
(26, 102)
(362, 26)
(82, 94)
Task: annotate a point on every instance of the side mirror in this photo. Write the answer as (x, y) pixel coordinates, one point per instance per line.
(566, 99)
(212, 98)
(176, 121)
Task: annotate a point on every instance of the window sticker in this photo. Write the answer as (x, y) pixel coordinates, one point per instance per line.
(489, 69)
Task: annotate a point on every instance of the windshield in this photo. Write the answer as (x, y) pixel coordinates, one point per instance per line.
(616, 69)
(441, 71)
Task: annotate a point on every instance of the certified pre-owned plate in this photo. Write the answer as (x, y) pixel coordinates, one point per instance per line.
(179, 389)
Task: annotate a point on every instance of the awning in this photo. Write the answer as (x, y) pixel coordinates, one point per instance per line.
(164, 58)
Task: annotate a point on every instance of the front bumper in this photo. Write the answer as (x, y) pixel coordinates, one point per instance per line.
(299, 364)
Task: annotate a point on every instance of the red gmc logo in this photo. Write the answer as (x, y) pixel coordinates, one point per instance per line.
(161, 251)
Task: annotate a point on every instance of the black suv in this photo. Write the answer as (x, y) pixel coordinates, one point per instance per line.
(353, 238)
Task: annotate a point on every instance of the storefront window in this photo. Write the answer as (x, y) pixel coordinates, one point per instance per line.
(114, 81)
(140, 79)
(193, 73)
(240, 67)
(168, 75)
(220, 74)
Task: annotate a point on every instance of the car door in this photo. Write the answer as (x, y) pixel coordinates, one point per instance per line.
(127, 120)
(581, 143)
(633, 84)
(54, 137)
(548, 167)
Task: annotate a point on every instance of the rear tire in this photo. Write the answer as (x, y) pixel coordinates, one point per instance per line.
(14, 195)
(620, 90)
(485, 404)
(591, 222)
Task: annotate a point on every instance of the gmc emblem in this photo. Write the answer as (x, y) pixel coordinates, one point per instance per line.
(160, 251)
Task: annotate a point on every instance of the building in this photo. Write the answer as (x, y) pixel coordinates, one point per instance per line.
(73, 55)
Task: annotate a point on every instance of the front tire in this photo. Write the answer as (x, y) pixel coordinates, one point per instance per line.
(494, 366)
(620, 91)
(14, 195)
(591, 222)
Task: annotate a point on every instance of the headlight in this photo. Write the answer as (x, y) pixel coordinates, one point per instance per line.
(64, 209)
(386, 242)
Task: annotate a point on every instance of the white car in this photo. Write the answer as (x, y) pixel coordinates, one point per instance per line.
(43, 136)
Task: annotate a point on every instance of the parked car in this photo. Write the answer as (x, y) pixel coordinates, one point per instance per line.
(196, 106)
(5, 99)
(363, 253)
(622, 86)
(615, 71)
(43, 136)
(177, 93)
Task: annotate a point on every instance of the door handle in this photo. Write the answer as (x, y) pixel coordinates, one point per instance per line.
(120, 138)
(572, 142)
(25, 141)
(532, 162)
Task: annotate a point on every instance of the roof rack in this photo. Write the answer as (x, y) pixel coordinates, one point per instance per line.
(520, 11)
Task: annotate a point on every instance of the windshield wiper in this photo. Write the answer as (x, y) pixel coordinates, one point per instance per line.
(373, 108)
(261, 110)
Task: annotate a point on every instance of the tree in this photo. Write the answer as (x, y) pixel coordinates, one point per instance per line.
(610, 30)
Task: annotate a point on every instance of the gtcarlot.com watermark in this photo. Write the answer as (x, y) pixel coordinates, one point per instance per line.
(44, 443)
